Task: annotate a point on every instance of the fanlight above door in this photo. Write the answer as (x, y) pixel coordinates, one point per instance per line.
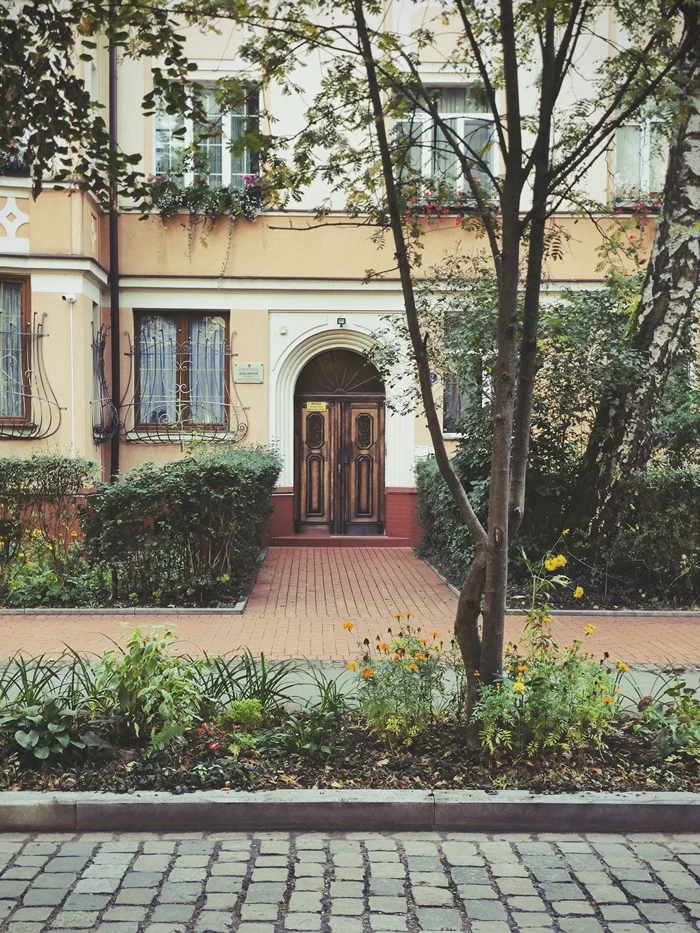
(339, 373)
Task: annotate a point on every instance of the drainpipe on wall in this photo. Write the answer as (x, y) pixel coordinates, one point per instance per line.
(114, 254)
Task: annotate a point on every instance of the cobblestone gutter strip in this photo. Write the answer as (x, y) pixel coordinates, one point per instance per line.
(337, 810)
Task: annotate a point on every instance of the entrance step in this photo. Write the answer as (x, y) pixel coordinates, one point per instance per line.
(339, 541)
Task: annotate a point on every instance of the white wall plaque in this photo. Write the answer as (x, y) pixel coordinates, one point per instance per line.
(247, 372)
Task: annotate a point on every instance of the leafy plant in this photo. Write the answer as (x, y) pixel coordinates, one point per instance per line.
(671, 719)
(154, 695)
(401, 682)
(267, 683)
(548, 698)
(46, 730)
(248, 714)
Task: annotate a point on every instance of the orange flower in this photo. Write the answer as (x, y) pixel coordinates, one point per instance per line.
(352, 666)
(395, 657)
(383, 647)
(607, 699)
(367, 672)
(408, 613)
(413, 667)
(397, 615)
(74, 534)
(434, 634)
(419, 656)
(348, 626)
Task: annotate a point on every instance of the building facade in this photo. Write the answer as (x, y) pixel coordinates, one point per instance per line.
(250, 332)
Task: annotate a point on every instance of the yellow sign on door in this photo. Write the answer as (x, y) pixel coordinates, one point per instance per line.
(317, 406)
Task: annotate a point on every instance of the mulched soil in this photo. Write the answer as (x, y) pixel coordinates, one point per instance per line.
(359, 759)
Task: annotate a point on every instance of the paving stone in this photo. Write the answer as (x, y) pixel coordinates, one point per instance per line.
(258, 912)
(271, 861)
(54, 881)
(142, 879)
(516, 886)
(393, 887)
(172, 913)
(125, 913)
(165, 928)
(579, 925)
(387, 905)
(346, 889)
(485, 910)
(554, 891)
(120, 927)
(86, 902)
(490, 926)
(387, 870)
(470, 875)
(477, 892)
(432, 897)
(44, 897)
(32, 914)
(212, 921)
(249, 928)
(348, 906)
(136, 896)
(522, 902)
(645, 891)
(12, 889)
(534, 920)
(437, 918)
(151, 863)
(346, 925)
(97, 885)
(270, 874)
(263, 893)
(572, 908)
(75, 919)
(387, 922)
(23, 927)
(305, 902)
(308, 923)
(179, 893)
(606, 894)
(310, 884)
(619, 912)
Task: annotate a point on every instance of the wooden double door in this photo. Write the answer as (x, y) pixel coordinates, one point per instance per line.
(339, 466)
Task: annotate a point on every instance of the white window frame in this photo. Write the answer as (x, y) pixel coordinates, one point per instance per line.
(426, 124)
(185, 141)
(646, 127)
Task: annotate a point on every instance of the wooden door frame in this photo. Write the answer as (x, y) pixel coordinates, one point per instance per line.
(338, 505)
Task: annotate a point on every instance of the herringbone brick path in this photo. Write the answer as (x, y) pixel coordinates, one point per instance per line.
(303, 595)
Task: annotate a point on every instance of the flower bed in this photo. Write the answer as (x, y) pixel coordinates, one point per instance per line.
(142, 718)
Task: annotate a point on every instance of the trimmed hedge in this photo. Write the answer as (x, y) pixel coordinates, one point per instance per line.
(655, 558)
(187, 532)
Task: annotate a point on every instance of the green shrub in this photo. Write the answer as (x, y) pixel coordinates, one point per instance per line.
(671, 719)
(657, 550)
(39, 518)
(245, 713)
(187, 532)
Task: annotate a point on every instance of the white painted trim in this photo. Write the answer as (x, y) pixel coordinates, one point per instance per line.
(59, 264)
(51, 283)
(219, 283)
(284, 371)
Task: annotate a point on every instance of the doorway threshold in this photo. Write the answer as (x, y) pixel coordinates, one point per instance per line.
(339, 541)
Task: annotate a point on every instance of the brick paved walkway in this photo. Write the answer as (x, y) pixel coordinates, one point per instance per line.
(303, 595)
(356, 883)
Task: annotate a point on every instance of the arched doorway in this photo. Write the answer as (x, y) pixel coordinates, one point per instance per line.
(339, 446)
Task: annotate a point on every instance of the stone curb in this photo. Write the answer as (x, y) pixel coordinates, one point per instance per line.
(355, 811)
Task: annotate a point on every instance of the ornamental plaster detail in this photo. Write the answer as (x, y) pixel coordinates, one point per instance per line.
(12, 218)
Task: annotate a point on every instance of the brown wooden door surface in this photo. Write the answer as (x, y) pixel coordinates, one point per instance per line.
(340, 467)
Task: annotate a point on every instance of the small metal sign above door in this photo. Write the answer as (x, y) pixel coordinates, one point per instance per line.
(317, 406)
(248, 372)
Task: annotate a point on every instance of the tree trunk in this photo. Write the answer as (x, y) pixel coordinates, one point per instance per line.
(621, 437)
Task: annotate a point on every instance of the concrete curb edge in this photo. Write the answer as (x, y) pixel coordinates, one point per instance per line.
(346, 810)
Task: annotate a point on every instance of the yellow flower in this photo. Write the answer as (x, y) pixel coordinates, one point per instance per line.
(412, 667)
(602, 687)
(578, 592)
(621, 666)
(420, 656)
(560, 560)
(522, 667)
(348, 626)
(434, 634)
(607, 699)
(383, 646)
(352, 666)
(476, 673)
(397, 615)
(589, 629)
(367, 672)
(74, 534)
(550, 564)
(519, 687)
(21, 554)
(565, 531)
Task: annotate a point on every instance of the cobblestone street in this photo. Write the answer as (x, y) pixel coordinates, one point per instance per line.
(353, 883)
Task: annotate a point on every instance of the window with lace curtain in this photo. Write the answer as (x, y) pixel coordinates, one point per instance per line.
(181, 369)
(211, 139)
(430, 154)
(14, 350)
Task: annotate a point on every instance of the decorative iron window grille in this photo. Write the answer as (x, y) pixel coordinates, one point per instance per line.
(105, 417)
(180, 382)
(29, 410)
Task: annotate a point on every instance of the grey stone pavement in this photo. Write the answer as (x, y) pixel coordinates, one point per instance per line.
(349, 883)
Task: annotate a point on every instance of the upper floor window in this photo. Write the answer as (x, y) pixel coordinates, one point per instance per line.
(465, 118)
(14, 351)
(181, 365)
(641, 154)
(190, 151)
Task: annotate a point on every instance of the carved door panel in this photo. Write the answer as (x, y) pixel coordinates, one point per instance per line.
(316, 445)
(363, 468)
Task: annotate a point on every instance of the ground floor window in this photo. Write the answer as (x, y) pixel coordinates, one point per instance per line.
(181, 360)
(14, 350)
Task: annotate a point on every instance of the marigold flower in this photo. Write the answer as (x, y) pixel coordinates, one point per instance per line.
(621, 666)
(607, 699)
(560, 560)
(367, 672)
(408, 614)
(419, 656)
(74, 534)
(348, 626)
(522, 668)
(550, 564)
(589, 629)
(578, 592)
(395, 657)
(519, 686)
(397, 615)
(434, 634)
(352, 666)
(412, 667)
(383, 646)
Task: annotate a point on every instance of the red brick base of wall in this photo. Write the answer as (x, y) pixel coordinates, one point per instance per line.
(400, 512)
